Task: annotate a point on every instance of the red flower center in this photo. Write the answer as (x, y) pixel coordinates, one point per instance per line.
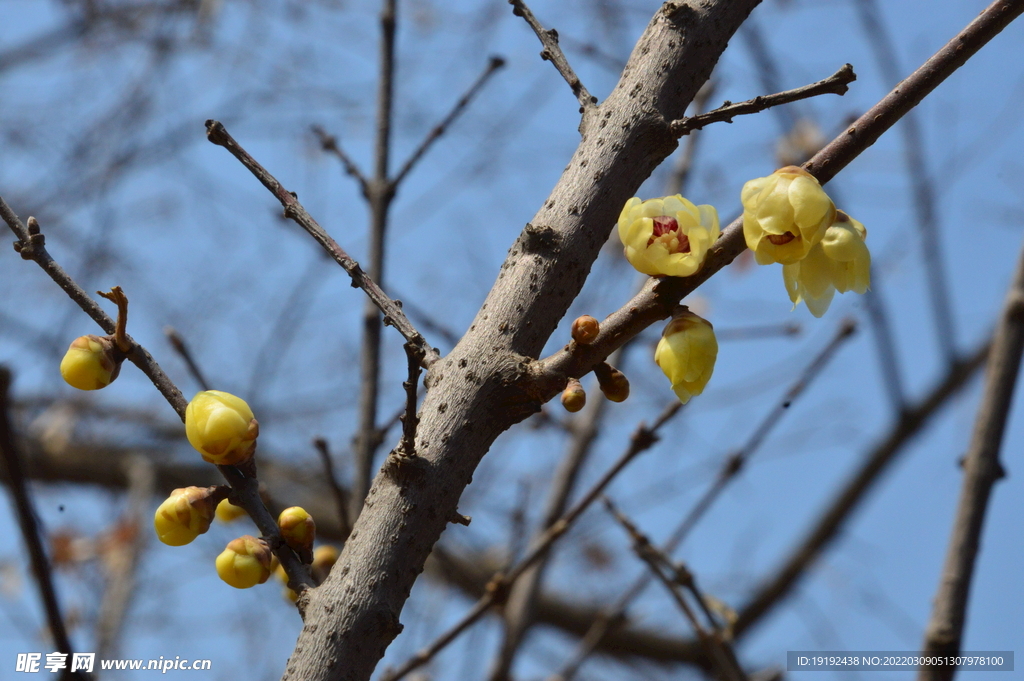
(666, 224)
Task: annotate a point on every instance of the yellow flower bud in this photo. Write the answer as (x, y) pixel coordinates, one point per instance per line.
(785, 215)
(324, 558)
(668, 236)
(184, 515)
(297, 528)
(91, 363)
(585, 329)
(573, 397)
(841, 261)
(686, 353)
(227, 512)
(221, 427)
(245, 562)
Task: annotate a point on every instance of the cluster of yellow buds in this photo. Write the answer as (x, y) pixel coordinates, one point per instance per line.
(221, 427)
(668, 236)
(91, 362)
(789, 219)
(686, 353)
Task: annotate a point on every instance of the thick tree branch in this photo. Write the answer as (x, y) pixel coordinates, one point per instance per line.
(981, 471)
(835, 84)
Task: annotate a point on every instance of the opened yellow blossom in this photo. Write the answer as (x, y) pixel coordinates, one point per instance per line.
(785, 215)
(840, 262)
(228, 512)
(184, 515)
(668, 236)
(90, 363)
(297, 528)
(245, 562)
(221, 427)
(686, 353)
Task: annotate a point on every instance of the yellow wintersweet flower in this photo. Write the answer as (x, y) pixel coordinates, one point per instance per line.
(785, 215)
(840, 262)
(90, 363)
(227, 512)
(245, 562)
(668, 236)
(686, 353)
(184, 515)
(221, 427)
(297, 528)
(324, 558)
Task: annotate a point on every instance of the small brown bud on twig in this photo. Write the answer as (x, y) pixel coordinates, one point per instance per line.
(613, 382)
(585, 329)
(574, 397)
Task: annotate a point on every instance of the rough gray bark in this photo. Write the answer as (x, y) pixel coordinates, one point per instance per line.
(483, 387)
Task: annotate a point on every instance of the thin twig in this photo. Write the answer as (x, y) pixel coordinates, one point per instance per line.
(718, 649)
(379, 197)
(330, 143)
(926, 214)
(884, 343)
(982, 470)
(497, 591)
(180, 347)
(116, 296)
(731, 467)
(339, 492)
(553, 52)
(409, 419)
(834, 84)
(15, 477)
(246, 489)
(393, 315)
(493, 65)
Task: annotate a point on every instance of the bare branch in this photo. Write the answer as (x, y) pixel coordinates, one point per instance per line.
(393, 315)
(925, 210)
(180, 347)
(852, 493)
(718, 649)
(409, 420)
(834, 84)
(340, 493)
(740, 333)
(731, 467)
(493, 65)
(27, 519)
(498, 590)
(683, 165)
(553, 52)
(982, 470)
(330, 143)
